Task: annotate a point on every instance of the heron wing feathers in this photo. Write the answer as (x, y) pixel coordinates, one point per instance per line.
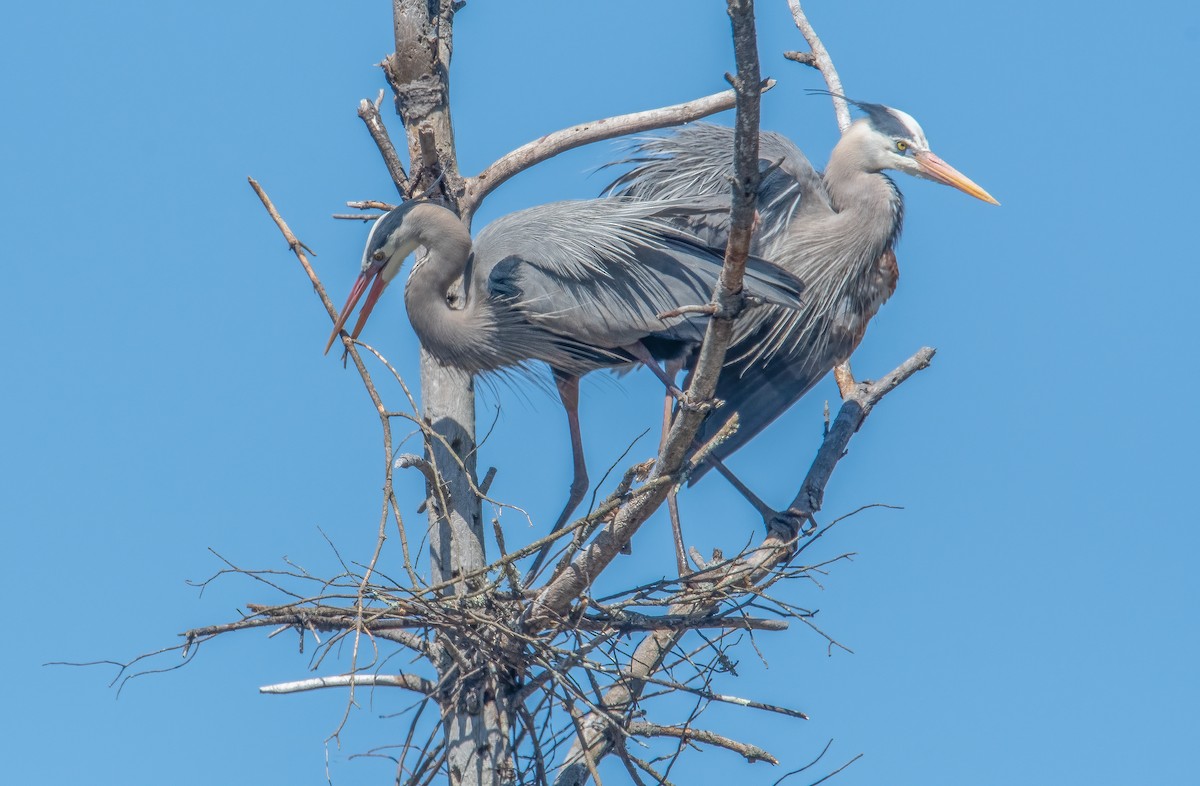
(602, 271)
(697, 160)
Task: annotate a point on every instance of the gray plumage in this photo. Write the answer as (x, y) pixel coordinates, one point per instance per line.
(571, 284)
(835, 231)
(575, 285)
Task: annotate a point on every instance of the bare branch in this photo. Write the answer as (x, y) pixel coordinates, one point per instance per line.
(369, 112)
(408, 681)
(822, 62)
(411, 460)
(752, 753)
(803, 58)
(628, 622)
(296, 246)
(371, 204)
(410, 640)
(557, 142)
(812, 763)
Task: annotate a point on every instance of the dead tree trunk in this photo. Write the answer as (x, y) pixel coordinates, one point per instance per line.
(473, 709)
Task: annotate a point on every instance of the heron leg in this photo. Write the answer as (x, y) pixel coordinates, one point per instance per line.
(639, 351)
(673, 367)
(568, 391)
(677, 531)
(764, 510)
(771, 517)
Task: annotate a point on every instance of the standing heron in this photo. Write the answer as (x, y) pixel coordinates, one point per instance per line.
(836, 230)
(576, 285)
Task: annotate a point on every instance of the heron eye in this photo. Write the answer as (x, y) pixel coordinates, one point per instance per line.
(378, 256)
(901, 145)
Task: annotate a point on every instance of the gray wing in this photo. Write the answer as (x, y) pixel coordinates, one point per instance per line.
(600, 271)
(762, 391)
(697, 161)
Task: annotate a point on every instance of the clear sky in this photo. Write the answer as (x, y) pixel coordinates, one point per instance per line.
(1028, 617)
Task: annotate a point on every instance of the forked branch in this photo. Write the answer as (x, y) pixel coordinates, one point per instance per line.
(820, 60)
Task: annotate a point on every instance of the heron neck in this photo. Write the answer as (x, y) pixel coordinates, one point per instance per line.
(445, 328)
(854, 184)
(447, 252)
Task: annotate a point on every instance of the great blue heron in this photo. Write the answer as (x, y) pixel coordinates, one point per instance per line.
(577, 285)
(836, 231)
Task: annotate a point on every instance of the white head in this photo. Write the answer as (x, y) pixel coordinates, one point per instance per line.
(393, 237)
(888, 138)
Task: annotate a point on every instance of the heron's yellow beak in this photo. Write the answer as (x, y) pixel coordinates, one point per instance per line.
(936, 169)
(360, 285)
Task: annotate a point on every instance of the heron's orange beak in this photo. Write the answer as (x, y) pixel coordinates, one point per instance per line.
(360, 285)
(936, 169)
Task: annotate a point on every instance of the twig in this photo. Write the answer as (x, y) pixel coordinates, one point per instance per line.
(410, 640)
(369, 112)
(603, 510)
(411, 460)
(822, 62)
(659, 780)
(835, 772)
(296, 246)
(371, 204)
(708, 309)
(812, 763)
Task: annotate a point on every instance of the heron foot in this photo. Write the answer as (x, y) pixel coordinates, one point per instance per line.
(685, 403)
(792, 523)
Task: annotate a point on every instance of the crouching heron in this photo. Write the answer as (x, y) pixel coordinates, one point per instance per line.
(576, 285)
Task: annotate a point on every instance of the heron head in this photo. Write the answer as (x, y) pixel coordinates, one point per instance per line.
(892, 139)
(391, 240)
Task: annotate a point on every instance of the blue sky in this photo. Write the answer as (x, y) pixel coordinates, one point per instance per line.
(1028, 617)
